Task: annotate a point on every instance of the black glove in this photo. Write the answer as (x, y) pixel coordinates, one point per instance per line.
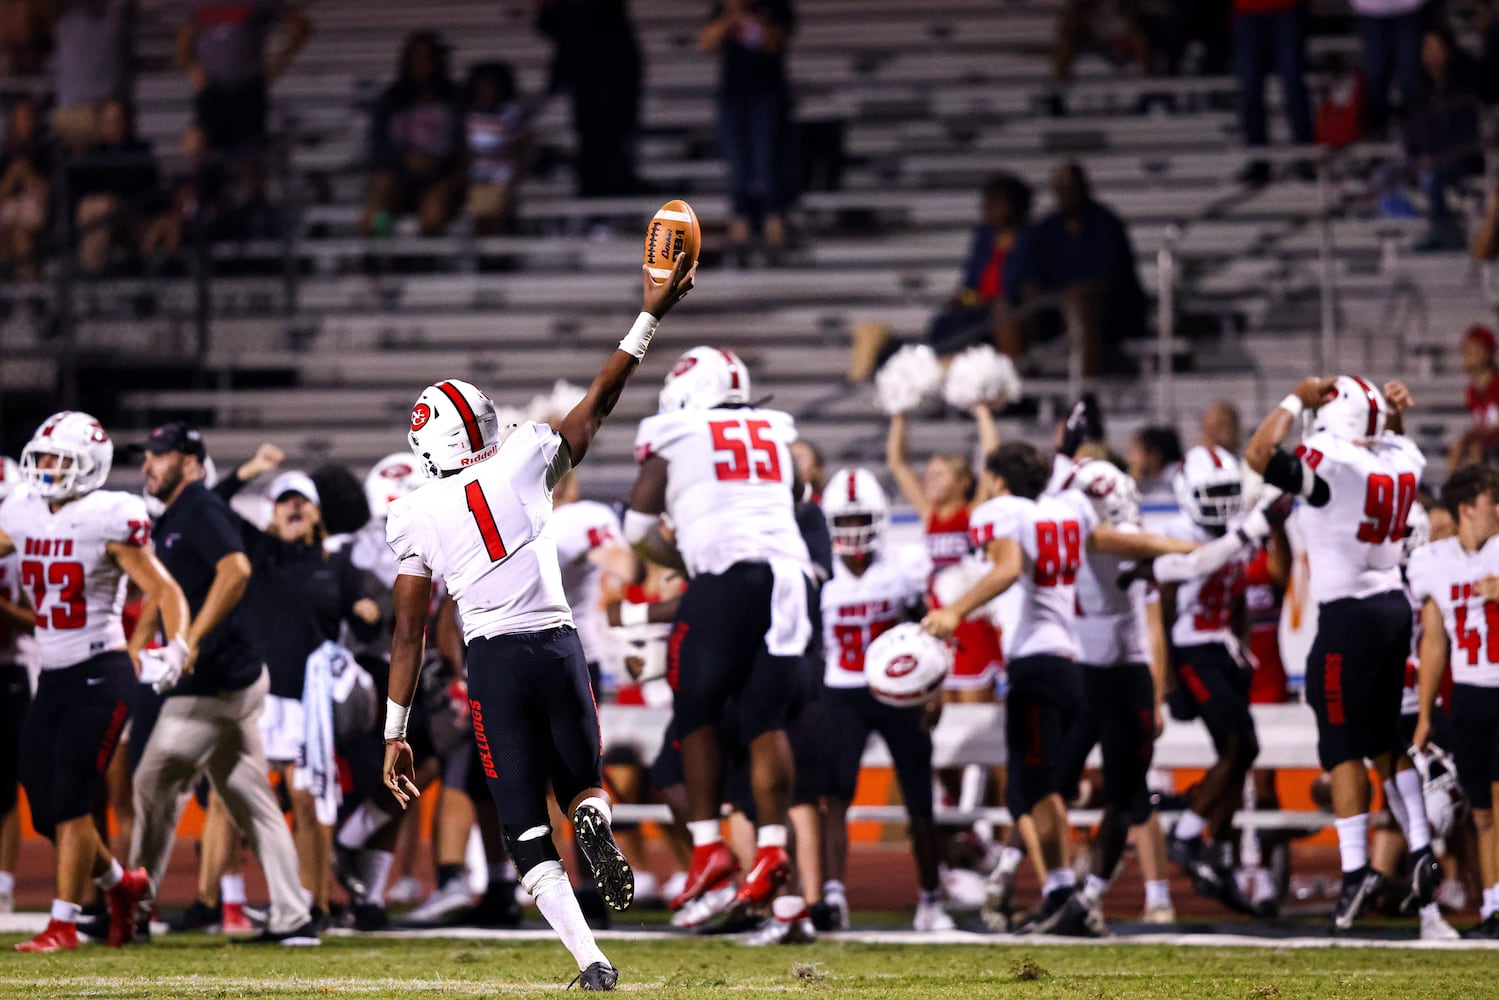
(1084, 423)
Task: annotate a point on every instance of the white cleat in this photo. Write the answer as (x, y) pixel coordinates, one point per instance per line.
(1435, 928)
(1159, 915)
(931, 918)
(405, 892)
(447, 902)
(707, 906)
(790, 922)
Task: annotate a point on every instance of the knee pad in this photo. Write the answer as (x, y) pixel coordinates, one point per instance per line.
(530, 846)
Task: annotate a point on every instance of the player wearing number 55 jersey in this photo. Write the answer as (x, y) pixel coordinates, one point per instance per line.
(480, 524)
(1357, 475)
(77, 544)
(1038, 543)
(1460, 630)
(722, 470)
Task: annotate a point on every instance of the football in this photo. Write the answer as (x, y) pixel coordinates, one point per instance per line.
(905, 666)
(673, 230)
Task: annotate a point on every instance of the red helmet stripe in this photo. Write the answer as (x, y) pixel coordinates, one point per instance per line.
(1373, 399)
(466, 413)
(852, 482)
(733, 367)
(1213, 454)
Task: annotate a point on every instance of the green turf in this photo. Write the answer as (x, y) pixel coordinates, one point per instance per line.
(196, 966)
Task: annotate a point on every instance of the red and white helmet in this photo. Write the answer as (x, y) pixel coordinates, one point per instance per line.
(453, 425)
(10, 476)
(1439, 787)
(391, 478)
(84, 447)
(1359, 411)
(906, 666)
(1209, 486)
(1112, 491)
(703, 378)
(855, 493)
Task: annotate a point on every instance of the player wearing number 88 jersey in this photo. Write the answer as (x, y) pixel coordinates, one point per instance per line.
(1357, 476)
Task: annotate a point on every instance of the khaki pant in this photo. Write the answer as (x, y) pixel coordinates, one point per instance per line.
(219, 734)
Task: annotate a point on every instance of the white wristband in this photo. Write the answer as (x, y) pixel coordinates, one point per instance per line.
(1294, 404)
(639, 337)
(632, 614)
(395, 720)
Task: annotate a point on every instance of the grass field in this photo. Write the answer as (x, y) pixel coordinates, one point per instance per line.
(197, 966)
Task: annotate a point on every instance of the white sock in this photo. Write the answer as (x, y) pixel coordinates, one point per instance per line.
(1189, 826)
(971, 787)
(1095, 887)
(7, 883)
(1353, 841)
(1417, 829)
(66, 912)
(548, 883)
(788, 909)
(1490, 904)
(833, 888)
(111, 878)
(600, 805)
(705, 832)
(1009, 860)
(1059, 878)
(362, 824)
(1157, 893)
(232, 889)
(771, 835)
(374, 868)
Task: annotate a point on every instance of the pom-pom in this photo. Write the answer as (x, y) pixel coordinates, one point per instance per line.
(981, 375)
(553, 406)
(911, 376)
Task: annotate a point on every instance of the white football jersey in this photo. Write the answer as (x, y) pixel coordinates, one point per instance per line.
(1354, 541)
(1053, 534)
(1448, 574)
(728, 485)
(481, 530)
(1205, 605)
(577, 529)
(1110, 621)
(78, 591)
(858, 609)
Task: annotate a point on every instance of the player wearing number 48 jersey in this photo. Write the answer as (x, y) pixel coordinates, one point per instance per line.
(480, 524)
(77, 545)
(1357, 475)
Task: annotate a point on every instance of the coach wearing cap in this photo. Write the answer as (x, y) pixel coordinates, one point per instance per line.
(210, 719)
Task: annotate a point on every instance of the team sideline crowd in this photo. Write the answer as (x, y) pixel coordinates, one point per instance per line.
(462, 634)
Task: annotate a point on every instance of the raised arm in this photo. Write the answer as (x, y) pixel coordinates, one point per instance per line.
(583, 422)
(988, 431)
(905, 476)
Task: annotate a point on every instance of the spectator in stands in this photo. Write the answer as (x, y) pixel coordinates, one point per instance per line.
(1078, 263)
(1267, 31)
(25, 189)
(1390, 33)
(1221, 427)
(1113, 29)
(497, 125)
(223, 53)
(416, 142)
(753, 110)
(196, 195)
(597, 61)
(24, 42)
(92, 65)
(810, 465)
(1442, 134)
(1480, 396)
(113, 188)
(1154, 454)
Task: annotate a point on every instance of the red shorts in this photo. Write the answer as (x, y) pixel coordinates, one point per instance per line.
(979, 657)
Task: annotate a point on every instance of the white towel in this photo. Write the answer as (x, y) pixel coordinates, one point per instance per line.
(790, 619)
(317, 769)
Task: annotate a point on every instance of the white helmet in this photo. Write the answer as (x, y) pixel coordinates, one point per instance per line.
(906, 666)
(1112, 491)
(855, 493)
(453, 425)
(703, 378)
(391, 478)
(81, 442)
(1209, 486)
(10, 476)
(1358, 412)
(1444, 797)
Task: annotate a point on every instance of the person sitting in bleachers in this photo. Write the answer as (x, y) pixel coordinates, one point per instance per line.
(497, 126)
(416, 142)
(1480, 398)
(1075, 270)
(25, 188)
(113, 188)
(1442, 135)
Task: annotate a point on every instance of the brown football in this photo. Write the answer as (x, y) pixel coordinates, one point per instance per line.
(673, 230)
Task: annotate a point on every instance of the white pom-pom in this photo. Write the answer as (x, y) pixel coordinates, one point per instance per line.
(981, 375)
(555, 405)
(910, 376)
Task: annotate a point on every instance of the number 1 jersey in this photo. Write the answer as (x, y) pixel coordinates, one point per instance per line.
(728, 485)
(480, 531)
(1354, 541)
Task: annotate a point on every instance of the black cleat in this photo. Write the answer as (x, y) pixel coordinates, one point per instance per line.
(305, 936)
(1488, 930)
(825, 917)
(370, 917)
(1426, 878)
(1056, 912)
(346, 871)
(1360, 889)
(199, 916)
(597, 976)
(611, 872)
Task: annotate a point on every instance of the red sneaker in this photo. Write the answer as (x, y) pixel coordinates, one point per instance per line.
(771, 869)
(712, 865)
(235, 921)
(57, 937)
(124, 899)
